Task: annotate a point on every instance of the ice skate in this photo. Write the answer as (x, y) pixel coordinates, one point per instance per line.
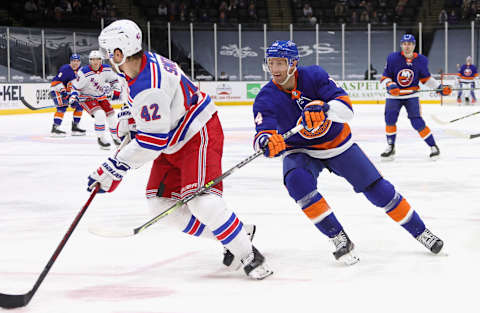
(435, 154)
(430, 241)
(389, 153)
(116, 141)
(255, 266)
(228, 256)
(105, 145)
(56, 132)
(343, 249)
(77, 131)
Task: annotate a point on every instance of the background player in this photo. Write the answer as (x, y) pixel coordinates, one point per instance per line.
(309, 96)
(403, 72)
(466, 79)
(96, 83)
(177, 128)
(60, 88)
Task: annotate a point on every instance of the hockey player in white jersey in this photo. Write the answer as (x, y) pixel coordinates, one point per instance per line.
(95, 84)
(177, 127)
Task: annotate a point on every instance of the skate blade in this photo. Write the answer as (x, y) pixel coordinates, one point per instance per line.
(104, 148)
(349, 259)
(387, 159)
(78, 134)
(260, 272)
(58, 135)
(434, 158)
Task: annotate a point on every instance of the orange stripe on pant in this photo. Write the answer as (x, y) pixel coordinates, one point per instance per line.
(316, 209)
(400, 212)
(425, 132)
(59, 115)
(391, 129)
(77, 113)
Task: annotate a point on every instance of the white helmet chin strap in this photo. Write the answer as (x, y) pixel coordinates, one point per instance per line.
(289, 74)
(117, 65)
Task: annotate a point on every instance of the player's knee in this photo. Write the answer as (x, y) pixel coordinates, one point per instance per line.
(418, 123)
(380, 193)
(177, 218)
(209, 208)
(299, 182)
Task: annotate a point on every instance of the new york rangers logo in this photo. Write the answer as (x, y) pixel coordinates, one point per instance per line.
(405, 77)
(467, 72)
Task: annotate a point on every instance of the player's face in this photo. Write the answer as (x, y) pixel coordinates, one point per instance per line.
(407, 47)
(75, 64)
(278, 68)
(95, 64)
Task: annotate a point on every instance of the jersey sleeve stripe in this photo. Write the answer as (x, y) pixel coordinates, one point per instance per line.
(387, 79)
(345, 100)
(151, 141)
(424, 80)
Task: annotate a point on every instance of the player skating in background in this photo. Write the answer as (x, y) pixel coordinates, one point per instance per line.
(403, 72)
(95, 84)
(309, 96)
(60, 88)
(466, 79)
(178, 128)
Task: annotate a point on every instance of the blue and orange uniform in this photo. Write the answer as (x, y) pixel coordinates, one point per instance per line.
(466, 76)
(330, 147)
(407, 74)
(60, 89)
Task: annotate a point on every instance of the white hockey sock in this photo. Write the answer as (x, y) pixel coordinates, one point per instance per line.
(112, 123)
(99, 117)
(180, 218)
(225, 225)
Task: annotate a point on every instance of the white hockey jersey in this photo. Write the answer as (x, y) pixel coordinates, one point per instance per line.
(167, 107)
(95, 84)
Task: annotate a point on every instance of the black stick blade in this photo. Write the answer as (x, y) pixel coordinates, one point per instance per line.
(14, 301)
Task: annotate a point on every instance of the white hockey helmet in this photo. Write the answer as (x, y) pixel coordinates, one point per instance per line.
(124, 35)
(95, 54)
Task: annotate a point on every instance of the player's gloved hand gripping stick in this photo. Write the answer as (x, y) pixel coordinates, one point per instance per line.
(127, 233)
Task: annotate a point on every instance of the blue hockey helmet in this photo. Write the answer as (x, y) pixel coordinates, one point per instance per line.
(283, 49)
(407, 38)
(75, 56)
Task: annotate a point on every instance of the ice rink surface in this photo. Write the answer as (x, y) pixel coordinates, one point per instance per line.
(42, 187)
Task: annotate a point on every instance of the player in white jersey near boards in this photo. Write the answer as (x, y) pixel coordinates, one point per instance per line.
(178, 128)
(95, 84)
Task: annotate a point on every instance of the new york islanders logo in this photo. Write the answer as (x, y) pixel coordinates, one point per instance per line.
(467, 72)
(405, 77)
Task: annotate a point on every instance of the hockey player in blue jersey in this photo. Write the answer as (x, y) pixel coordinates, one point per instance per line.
(60, 93)
(466, 79)
(403, 72)
(307, 95)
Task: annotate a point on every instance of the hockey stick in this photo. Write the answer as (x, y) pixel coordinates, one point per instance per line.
(31, 107)
(127, 233)
(459, 134)
(16, 301)
(455, 119)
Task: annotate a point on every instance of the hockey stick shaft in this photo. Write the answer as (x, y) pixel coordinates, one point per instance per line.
(462, 117)
(15, 301)
(31, 107)
(211, 183)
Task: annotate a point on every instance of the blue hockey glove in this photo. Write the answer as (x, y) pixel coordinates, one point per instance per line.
(108, 175)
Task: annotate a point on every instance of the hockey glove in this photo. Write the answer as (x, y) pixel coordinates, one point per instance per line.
(72, 100)
(272, 145)
(444, 90)
(108, 175)
(126, 124)
(313, 115)
(393, 89)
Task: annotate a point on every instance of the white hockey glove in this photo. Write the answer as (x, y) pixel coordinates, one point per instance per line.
(73, 99)
(126, 126)
(108, 175)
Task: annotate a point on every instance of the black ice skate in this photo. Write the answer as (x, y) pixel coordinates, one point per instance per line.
(430, 241)
(103, 144)
(389, 153)
(77, 131)
(254, 265)
(57, 132)
(435, 154)
(343, 249)
(116, 141)
(228, 256)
